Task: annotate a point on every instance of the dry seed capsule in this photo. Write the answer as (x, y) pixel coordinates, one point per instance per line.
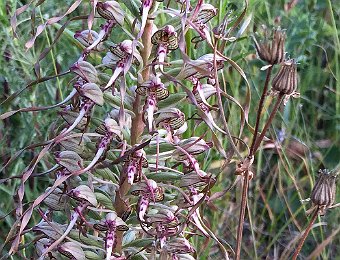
(271, 48)
(323, 193)
(285, 81)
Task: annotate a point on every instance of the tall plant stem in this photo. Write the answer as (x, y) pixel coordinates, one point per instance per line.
(269, 121)
(121, 206)
(244, 200)
(259, 110)
(255, 146)
(303, 239)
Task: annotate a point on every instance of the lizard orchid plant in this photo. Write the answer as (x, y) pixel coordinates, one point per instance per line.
(126, 179)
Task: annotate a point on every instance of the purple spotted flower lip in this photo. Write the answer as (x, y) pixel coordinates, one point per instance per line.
(134, 164)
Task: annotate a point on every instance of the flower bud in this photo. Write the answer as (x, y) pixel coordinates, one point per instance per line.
(323, 193)
(205, 14)
(93, 92)
(87, 37)
(285, 81)
(70, 160)
(72, 250)
(111, 10)
(50, 229)
(56, 200)
(85, 70)
(83, 192)
(271, 48)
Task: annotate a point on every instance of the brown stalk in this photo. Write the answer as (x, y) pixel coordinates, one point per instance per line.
(259, 110)
(269, 121)
(246, 173)
(121, 206)
(244, 200)
(308, 229)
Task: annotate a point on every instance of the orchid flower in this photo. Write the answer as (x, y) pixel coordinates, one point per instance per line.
(86, 197)
(166, 40)
(154, 90)
(111, 225)
(118, 58)
(147, 191)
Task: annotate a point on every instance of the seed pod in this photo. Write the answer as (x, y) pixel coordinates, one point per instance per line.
(271, 48)
(166, 36)
(111, 10)
(323, 193)
(285, 81)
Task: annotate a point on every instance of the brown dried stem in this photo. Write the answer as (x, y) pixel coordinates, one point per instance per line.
(308, 229)
(259, 110)
(269, 121)
(244, 201)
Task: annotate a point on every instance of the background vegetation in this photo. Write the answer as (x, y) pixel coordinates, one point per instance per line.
(309, 130)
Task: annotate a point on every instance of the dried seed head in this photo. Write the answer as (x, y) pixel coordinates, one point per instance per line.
(323, 193)
(285, 81)
(271, 48)
(166, 36)
(111, 10)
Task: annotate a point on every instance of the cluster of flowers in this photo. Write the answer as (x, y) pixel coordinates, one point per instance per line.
(141, 195)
